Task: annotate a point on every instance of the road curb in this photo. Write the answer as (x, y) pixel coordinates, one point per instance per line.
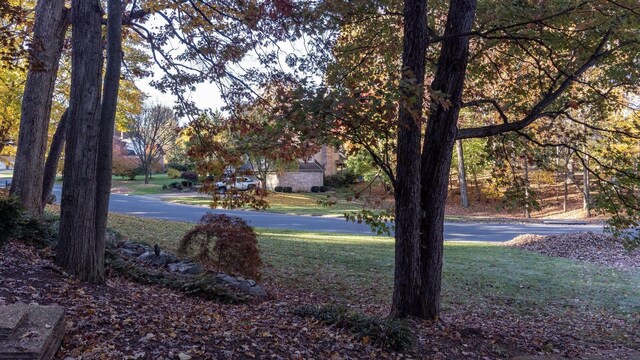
(564, 222)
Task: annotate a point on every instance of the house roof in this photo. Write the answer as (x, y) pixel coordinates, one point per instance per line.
(310, 167)
(313, 166)
(245, 167)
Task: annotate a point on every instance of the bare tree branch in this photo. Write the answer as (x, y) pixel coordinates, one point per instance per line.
(552, 95)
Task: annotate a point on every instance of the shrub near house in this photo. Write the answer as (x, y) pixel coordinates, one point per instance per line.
(310, 173)
(173, 173)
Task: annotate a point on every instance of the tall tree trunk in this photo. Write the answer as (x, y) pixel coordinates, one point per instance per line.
(462, 176)
(585, 190)
(476, 186)
(439, 139)
(45, 51)
(527, 197)
(406, 290)
(77, 249)
(51, 165)
(586, 201)
(556, 176)
(541, 199)
(107, 123)
(567, 179)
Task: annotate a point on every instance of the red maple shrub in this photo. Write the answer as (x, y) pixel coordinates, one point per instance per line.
(227, 243)
(123, 165)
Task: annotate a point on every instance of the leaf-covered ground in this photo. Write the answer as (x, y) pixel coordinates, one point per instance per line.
(498, 303)
(589, 247)
(125, 320)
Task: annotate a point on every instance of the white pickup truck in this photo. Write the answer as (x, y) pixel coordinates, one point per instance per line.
(240, 183)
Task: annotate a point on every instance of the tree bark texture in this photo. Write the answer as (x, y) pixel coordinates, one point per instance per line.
(107, 123)
(406, 294)
(51, 165)
(586, 202)
(567, 179)
(440, 136)
(476, 186)
(565, 198)
(44, 56)
(77, 250)
(462, 175)
(527, 197)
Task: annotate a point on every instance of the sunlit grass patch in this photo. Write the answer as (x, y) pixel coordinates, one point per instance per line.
(359, 269)
(166, 234)
(295, 203)
(138, 187)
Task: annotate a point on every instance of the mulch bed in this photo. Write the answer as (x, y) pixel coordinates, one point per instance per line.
(589, 247)
(126, 320)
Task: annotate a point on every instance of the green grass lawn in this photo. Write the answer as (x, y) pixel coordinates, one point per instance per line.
(307, 204)
(359, 269)
(138, 187)
(296, 203)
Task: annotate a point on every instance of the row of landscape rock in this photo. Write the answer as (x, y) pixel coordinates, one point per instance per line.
(159, 260)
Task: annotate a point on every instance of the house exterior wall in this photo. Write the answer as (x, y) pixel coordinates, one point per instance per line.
(299, 181)
(328, 157)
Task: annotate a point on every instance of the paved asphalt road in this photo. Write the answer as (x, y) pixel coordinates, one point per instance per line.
(153, 208)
